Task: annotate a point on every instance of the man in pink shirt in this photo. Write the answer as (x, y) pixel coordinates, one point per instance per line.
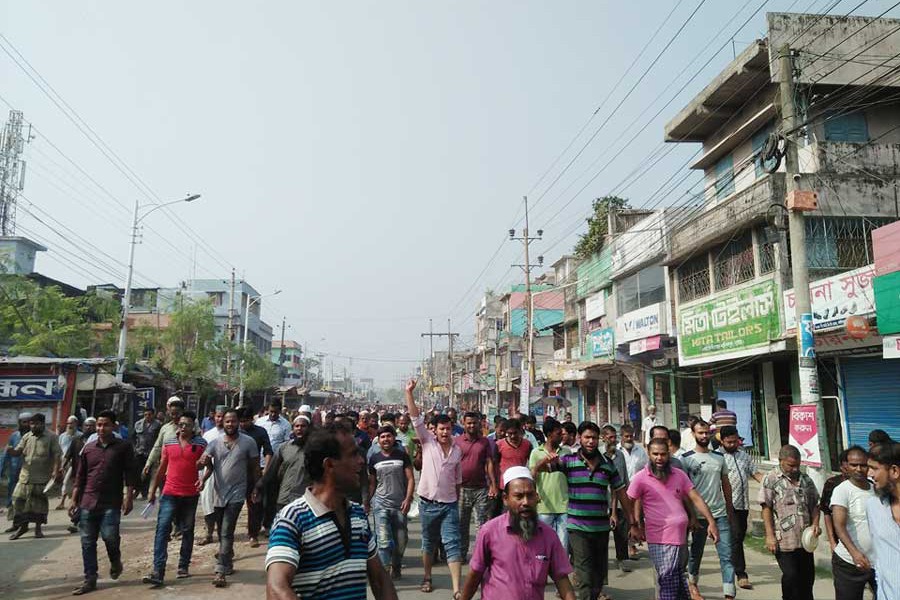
(662, 494)
(439, 485)
(515, 552)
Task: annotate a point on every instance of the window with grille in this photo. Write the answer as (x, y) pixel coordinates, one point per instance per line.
(838, 244)
(733, 263)
(693, 278)
(767, 237)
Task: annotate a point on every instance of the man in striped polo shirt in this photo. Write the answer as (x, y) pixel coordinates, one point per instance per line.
(320, 545)
(591, 478)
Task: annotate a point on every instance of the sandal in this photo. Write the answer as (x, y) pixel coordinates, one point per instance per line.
(426, 586)
(457, 595)
(205, 541)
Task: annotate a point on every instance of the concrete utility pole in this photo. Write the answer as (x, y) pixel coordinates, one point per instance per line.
(250, 303)
(136, 219)
(229, 334)
(527, 378)
(450, 335)
(796, 204)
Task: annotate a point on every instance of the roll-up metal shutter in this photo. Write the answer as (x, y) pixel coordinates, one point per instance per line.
(872, 396)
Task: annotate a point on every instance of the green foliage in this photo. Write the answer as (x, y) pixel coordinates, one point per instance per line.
(42, 321)
(187, 347)
(594, 239)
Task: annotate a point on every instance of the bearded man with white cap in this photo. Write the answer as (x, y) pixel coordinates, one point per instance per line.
(515, 552)
(288, 467)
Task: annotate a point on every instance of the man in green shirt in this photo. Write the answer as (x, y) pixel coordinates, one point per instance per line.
(41, 459)
(551, 487)
(406, 435)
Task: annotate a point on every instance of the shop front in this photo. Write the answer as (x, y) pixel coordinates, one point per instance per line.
(729, 346)
(43, 386)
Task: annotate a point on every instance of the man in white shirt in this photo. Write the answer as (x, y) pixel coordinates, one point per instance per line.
(635, 456)
(688, 443)
(279, 430)
(649, 422)
(851, 560)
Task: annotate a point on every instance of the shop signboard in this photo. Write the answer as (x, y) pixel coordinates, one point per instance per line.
(30, 388)
(803, 433)
(641, 323)
(890, 346)
(732, 324)
(644, 345)
(144, 398)
(595, 306)
(887, 299)
(886, 248)
(834, 299)
(602, 343)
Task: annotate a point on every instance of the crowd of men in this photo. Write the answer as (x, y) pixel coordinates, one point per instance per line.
(334, 492)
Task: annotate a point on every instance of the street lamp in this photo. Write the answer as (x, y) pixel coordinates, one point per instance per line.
(126, 298)
(250, 302)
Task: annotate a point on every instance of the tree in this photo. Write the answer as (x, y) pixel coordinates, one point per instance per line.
(595, 238)
(188, 349)
(43, 321)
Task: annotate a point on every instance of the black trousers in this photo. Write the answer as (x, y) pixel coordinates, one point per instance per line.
(590, 559)
(620, 535)
(850, 581)
(798, 573)
(738, 533)
(144, 488)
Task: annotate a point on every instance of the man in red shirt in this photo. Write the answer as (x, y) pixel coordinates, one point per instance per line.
(478, 483)
(178, 467)
(513, 451)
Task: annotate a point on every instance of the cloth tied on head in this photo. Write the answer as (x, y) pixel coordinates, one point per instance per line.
(516, 473)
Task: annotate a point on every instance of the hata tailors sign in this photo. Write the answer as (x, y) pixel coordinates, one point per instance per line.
(734, 323)
(641, 323)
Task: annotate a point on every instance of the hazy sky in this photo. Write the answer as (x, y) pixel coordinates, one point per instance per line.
(366, 158)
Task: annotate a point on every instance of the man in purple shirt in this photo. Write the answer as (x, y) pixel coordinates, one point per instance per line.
(439, 486)
(515, 552)
(478, 483)
(105, 467)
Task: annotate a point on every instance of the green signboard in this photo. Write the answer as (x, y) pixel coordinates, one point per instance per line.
(731, 322)
(887, 303)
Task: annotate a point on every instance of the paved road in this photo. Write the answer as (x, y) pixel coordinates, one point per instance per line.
(51, 567)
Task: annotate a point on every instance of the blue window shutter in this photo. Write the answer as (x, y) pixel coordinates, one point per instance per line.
(724, 177)
(849, 127)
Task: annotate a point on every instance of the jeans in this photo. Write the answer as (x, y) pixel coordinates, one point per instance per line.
(226, 517)
(737, 543)
(469, 499)
(723, 547)
(558, 522)
(182, 511)
(440, 522)
(798, 573)
(103, 522)
(391, 535)
(12, 478)
(590, 556)
(850, 582)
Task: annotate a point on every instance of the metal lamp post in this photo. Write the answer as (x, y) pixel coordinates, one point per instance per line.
(250, 302)
(126, 297)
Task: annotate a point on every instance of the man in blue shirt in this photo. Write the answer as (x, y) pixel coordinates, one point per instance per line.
(883, 514)
(13, 464)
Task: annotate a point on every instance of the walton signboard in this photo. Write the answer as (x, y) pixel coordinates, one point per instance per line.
(641, 323)
(734, 323)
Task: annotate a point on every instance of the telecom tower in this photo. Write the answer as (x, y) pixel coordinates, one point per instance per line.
(12, 170)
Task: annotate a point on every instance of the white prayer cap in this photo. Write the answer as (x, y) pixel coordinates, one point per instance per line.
(72, 419)
(305, 409)
(25, 416)
(173, 400)
(301, 418)
(516, 473)
(90, 420)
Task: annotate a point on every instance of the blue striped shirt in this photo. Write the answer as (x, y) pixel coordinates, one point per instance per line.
(886, 544)
(305, 535)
